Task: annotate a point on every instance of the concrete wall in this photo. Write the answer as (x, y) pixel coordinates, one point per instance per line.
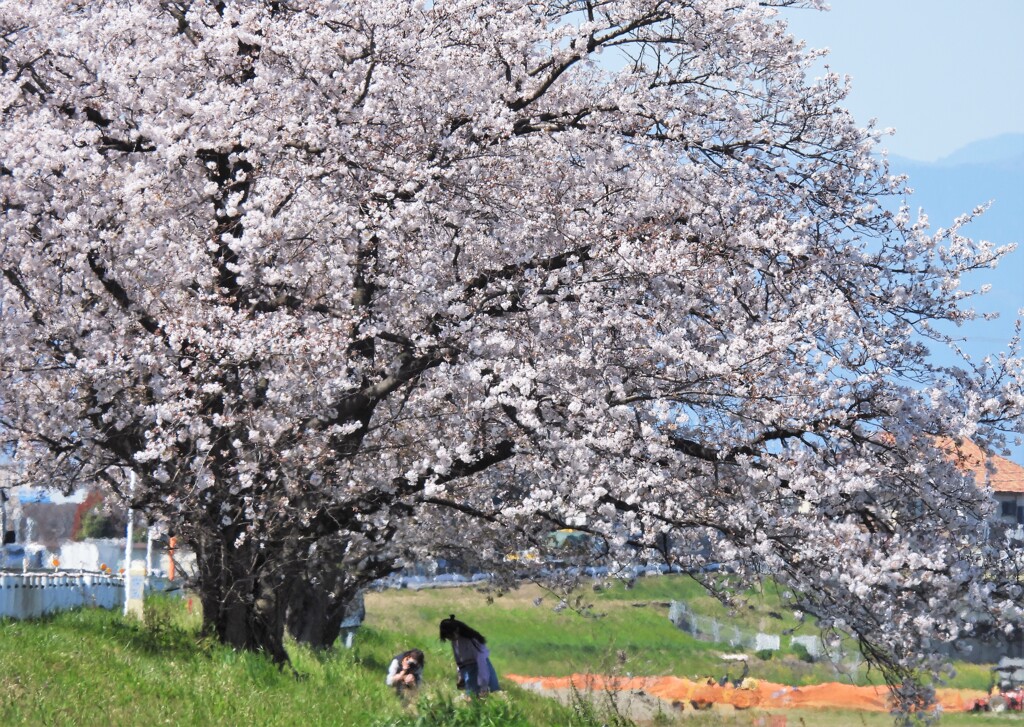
(90, 554)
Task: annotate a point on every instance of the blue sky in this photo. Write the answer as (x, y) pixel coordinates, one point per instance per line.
(944, 73)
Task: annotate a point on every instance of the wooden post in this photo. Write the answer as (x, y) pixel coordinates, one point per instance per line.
(171, 545)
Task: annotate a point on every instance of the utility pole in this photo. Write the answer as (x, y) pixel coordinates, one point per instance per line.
(128, 545)
(3, 516)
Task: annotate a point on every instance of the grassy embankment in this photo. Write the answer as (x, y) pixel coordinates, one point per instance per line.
(93, 667)
(625, 631)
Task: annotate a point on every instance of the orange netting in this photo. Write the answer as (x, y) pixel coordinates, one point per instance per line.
(754, 693)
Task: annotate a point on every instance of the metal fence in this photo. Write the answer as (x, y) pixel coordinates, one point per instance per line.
(31, 595)
(707, 628)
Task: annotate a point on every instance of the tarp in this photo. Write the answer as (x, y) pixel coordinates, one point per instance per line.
(753, 693)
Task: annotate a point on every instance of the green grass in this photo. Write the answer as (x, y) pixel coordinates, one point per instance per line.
(615, 628)
(93, 667)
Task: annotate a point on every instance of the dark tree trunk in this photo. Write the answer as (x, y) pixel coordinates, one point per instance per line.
(251, 595)
(243, 595)
(318, 607)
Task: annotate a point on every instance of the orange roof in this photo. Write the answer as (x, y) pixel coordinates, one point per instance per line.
(1005, 476)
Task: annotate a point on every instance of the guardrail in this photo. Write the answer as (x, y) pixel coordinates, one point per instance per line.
(31, 595)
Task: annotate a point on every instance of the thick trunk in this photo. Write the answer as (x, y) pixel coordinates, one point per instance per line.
(248, 601)
(325, 599)
(318, 609)
(312, 616)
(243, 597)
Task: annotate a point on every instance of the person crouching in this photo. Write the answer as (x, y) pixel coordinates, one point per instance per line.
(406, 671)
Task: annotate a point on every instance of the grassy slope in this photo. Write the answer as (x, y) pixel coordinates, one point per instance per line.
(624, 631)
(94, 668)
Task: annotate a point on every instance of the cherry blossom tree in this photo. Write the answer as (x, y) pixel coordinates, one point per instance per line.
(381, 277)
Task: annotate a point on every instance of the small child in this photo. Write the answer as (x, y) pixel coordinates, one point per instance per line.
(406, 671)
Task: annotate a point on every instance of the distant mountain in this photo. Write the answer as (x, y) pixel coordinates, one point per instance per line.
(1006, 151)
(989, 171)
(985, 171)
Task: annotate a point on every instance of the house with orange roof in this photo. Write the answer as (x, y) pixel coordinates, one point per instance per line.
(1004, 478)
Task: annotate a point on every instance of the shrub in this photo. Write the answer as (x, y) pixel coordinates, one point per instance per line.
(443, 710)
(95, 524)
(800, 651)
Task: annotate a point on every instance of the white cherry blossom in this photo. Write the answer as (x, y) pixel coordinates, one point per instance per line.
(384, 278)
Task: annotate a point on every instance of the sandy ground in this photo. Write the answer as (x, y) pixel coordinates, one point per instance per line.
(643, 699)
(635, 704)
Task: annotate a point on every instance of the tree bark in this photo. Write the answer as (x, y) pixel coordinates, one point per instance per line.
(243, 596)
(318, 607)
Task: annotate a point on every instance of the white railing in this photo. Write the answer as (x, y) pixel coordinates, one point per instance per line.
(31, 595)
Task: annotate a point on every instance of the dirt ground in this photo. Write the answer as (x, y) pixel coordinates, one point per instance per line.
(644, 699)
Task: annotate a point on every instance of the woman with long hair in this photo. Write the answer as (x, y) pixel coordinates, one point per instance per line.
(472, 657)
